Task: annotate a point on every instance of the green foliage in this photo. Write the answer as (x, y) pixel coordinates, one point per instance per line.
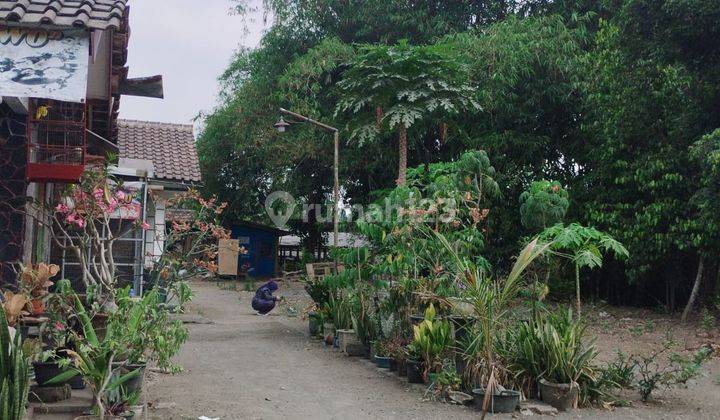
(549, 347)
(652, 373)
(432, 338)
(14, 382)
(544, 204)
(409, 84)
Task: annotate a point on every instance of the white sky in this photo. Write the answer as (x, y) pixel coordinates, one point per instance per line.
(190, 43)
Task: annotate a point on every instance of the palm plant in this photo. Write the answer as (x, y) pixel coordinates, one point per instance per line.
(14, 384)
(491, 300)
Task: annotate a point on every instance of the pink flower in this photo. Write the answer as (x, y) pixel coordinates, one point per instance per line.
(59, 326)
(98, 193)
(80, 222)
(61, 208)
(120, 195)
(145, 225)
(70, 218)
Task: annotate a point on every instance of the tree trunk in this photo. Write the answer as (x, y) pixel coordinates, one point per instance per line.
(696, 287)
(577, 289)
(402, 161)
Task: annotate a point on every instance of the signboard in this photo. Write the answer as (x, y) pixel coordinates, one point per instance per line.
(43, 63)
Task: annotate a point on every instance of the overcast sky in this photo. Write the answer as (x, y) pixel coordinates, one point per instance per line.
(190, 43)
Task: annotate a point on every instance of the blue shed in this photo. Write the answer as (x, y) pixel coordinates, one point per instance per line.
(261, 243)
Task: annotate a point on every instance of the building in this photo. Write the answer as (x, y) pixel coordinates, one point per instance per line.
(261, 244)
(62, 75)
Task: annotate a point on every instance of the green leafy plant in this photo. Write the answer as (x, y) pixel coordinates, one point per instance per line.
(675, 370)
(431, 340)
(707, 320)
(585, 245)
(544, 204)
(14, 383)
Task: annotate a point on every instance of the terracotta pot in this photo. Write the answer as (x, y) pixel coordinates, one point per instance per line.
(38, 307)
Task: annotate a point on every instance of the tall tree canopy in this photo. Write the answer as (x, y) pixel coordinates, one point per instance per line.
(617, 100)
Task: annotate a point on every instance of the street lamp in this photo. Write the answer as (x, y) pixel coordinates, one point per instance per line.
(281, 127)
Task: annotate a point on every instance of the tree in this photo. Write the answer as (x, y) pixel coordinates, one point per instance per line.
(543, 204)
(399, 87)
(585, 245)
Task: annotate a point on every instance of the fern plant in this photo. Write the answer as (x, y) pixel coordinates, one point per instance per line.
(14, 385)
(396, 87)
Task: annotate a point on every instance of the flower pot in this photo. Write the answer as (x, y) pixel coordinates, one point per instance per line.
(505, 401)
(461, 326)
(37, 307)
(382, 362)
(355, 349)
(401, 368)
(415, 372)
(461, 307)
(99, 323)
(328, 330)
(314, 323)
(77, 382)
(561, 396)
(345, 337)
(136, 383)
(393, 365)
(46, 371)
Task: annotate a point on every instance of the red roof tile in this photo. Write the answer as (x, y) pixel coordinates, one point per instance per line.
(170, 147)
(92, 14)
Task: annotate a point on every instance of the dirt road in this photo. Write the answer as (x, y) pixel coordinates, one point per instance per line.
(242, 366)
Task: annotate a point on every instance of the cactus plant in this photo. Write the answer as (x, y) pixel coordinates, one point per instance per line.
(14, 384)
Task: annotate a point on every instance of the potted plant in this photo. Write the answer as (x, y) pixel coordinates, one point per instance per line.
(566, 358)
(382, 354)
(35, 284)
(95, 361)
(14, 384)
(431, 340)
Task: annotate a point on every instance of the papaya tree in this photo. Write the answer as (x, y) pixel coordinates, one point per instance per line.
(396, 88)
(584, 246)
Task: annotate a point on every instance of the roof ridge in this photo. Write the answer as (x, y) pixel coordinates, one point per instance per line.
(154, 123)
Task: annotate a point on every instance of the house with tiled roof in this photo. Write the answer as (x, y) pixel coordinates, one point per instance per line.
(165, 156)
(62, 75)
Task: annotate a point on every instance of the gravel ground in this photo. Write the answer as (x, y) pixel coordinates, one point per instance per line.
(242, 366)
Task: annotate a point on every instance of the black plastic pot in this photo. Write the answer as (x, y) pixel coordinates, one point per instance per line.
(401, 368)
(135, 383)
(415, 372)
(561, 396)
(77, 382)
(393, 365)
(44, 372)
(505, 401)
(314, 323)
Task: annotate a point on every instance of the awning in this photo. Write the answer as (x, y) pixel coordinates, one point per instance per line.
(42, 63)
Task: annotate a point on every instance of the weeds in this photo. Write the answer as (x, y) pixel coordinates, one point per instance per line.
(707, 320)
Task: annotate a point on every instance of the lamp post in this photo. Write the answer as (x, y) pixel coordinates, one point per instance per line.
(281, 127)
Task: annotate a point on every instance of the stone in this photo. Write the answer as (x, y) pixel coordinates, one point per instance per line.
(460, 397)
(538, 407)
(49, 394)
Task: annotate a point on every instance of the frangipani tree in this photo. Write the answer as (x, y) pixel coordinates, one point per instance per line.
(585, 247)
(395, 88)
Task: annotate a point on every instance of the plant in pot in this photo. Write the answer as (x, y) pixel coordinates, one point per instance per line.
(382, 353)
(397, 348)
(35, 284)
(551, 349)
(14, 305)
(492, 300)
(95, 360)
(431, 341)
(14, 384)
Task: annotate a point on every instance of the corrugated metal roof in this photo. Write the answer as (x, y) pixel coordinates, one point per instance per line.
(92, 14)
(170, 147)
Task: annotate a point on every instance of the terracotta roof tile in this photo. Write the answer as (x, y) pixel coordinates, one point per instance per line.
(92, 14)
(170, 147)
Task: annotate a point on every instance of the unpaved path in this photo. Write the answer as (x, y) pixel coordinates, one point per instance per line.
(242, 366)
